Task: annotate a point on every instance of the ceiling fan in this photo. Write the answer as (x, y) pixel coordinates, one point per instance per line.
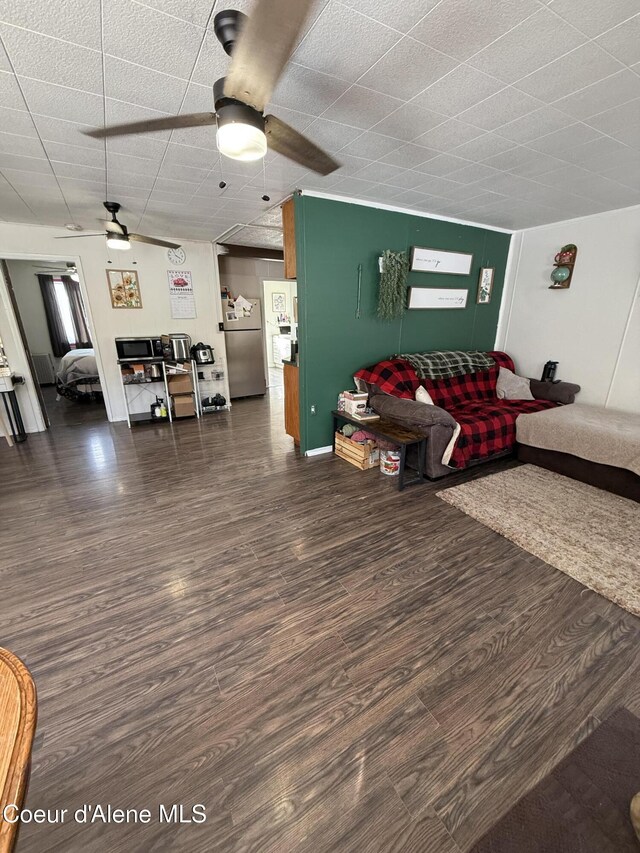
(260, 47)
(69, 269)
(118, 237)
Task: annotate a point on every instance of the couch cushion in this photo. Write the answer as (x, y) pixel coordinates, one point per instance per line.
(410, 413)
(393, 376)
(488, 427)
(458, 390)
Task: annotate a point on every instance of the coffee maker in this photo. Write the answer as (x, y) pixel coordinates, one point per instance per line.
(549, 371)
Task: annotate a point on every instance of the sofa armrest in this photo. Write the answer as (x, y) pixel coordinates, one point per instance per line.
(556, 392)
(410, 413)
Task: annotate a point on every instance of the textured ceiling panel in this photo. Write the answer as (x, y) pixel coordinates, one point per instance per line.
(504, 112)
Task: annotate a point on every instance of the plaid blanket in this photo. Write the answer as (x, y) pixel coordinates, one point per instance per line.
(442, 365)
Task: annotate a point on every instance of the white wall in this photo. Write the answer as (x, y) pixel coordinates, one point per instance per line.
(107, 323)
(593, 328)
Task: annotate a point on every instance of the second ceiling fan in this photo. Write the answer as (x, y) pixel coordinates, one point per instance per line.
(260, 47)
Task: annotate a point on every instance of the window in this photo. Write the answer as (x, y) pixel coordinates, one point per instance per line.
(62, 300)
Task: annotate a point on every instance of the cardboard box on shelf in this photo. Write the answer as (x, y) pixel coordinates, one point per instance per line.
(180, 383)
(183, 406)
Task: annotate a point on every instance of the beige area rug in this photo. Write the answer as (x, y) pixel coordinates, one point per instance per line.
(587, 533)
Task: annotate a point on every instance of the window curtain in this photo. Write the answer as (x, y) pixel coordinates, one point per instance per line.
(59, 343)
(80, 327)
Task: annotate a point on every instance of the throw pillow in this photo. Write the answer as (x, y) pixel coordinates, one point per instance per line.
(423, 396)
(510, 386)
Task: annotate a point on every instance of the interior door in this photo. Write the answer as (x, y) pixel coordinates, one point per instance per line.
(25, 343)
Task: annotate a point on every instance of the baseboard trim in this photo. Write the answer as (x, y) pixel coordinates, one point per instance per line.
(317, 451)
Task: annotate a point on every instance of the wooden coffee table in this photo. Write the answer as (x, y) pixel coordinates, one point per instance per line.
(18, 713)
(396, 434)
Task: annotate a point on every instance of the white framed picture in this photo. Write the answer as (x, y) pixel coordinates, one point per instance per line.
(439, 260)
(278, 303)
(437, 297)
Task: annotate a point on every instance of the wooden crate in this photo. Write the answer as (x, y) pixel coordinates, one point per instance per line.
(363, 456)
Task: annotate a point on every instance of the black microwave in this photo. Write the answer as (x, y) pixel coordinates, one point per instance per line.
(138, 349)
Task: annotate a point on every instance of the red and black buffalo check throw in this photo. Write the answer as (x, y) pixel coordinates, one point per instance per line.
(487, 424)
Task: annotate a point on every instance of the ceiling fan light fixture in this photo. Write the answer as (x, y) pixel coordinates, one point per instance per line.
(241, 133)
(117, 241)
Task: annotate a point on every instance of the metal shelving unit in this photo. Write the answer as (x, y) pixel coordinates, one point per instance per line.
(137, 390)
(213, 383)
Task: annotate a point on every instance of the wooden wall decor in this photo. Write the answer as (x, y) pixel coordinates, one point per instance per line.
(563, 265)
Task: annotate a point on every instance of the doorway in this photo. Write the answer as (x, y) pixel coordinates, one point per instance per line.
(52, 324)
(281, 326)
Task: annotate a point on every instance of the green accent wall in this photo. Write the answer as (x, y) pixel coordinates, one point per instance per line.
(332, 238)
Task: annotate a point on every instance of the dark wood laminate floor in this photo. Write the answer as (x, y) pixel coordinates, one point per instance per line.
(326, 664)
(63, 412)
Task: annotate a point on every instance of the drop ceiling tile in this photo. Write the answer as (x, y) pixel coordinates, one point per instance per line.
(623, 175)
(20, 179)
(593, 17)
(600, 154)
(526, 48)
(408, 180)
(198, 137)
(409, 156)
(450, 134)
(176, 172)
(75, 153)
(623, 123)
(380, 172)
(28, 146)
(197, 99)
(5, 65)
(330, 134)
(420, 65)
(508, 184)
(565, 139)
(386, 193)
(17, 121)
(72, 170)
(52, 60)
(460, 28)
(503, 107)
(464, 192)
(398, 16)
(408, 122)
(356, 42)
(607, 93)
(472, 172)
(10, 94)
(125, 81)
(306, 90)
(531, 126)
(360, 107)
(623, 41)
(61, 102)
(457, 91)
(372, 146)
(349, 166)
(146, 37)
(76, 21)
(355, 188)
(410, 198)
(434, 185)
(174, 187)
(483, 146)
(24, 164)
(194, 11)
(582, 67)
(442, 165)
(185, 155)
(118, 111)
(144, 145)
(536, 163)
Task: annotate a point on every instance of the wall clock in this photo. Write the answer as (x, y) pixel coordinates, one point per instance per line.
(176, 256)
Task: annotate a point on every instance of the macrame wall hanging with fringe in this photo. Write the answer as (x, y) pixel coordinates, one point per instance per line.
(392, 294)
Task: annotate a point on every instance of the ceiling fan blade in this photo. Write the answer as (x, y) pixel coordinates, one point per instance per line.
(168, 123)
(263, 48)
(282, 138)
(140, 238)
(113, 226)
(76, 236)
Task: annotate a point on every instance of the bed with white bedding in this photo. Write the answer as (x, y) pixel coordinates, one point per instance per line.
(77, 377)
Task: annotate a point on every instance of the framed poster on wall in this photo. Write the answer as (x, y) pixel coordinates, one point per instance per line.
(437, 297)
(439, 260)
(124, 289)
